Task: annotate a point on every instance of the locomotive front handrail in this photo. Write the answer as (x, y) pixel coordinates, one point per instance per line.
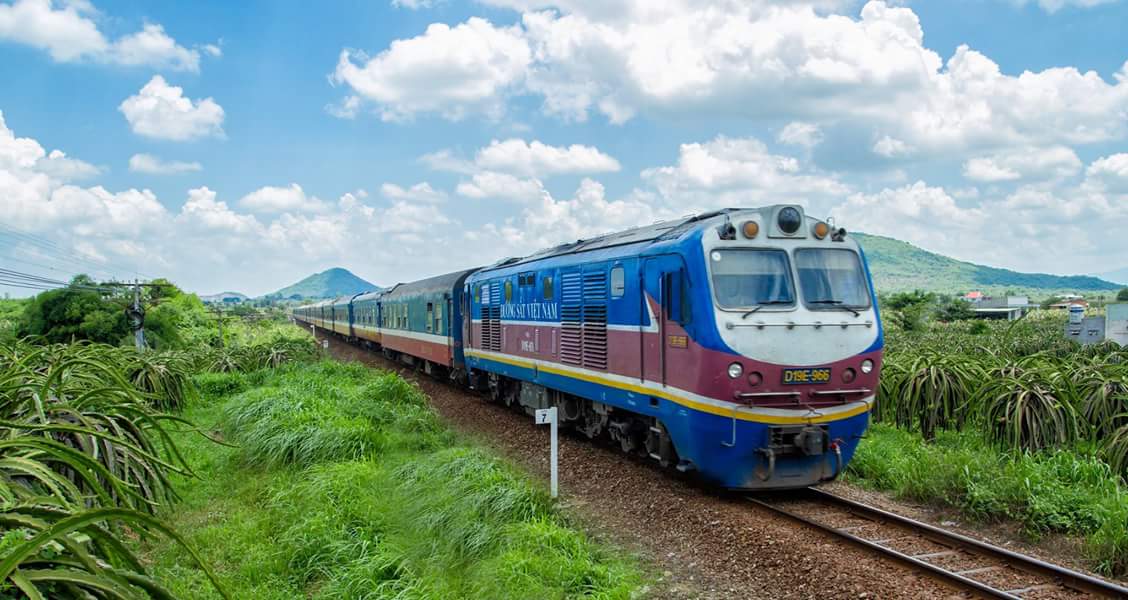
(841, 392)
(768, 395)
(793, 325)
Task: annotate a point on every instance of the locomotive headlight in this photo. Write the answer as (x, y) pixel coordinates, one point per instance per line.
(867, 365)
(735, 370)
(750, 229)
(820, 230)
(789, 220)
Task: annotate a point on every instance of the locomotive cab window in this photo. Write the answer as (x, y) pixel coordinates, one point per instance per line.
(745, 278)
(508, 291)
(547, 284)
(618, 282)
(830, 278)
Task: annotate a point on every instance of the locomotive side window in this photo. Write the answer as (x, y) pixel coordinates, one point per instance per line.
(547, 284)
(508, 290)
(618, 282)
(745, 278)
(831, 277)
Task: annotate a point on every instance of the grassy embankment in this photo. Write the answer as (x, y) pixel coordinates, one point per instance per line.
(343, 484)
(1007, 421)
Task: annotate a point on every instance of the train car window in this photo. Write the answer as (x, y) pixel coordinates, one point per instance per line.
(430, 317)
(439, 319)
(830, 278)
(746, 278)
(508, 291)
(547, 284)
(478, 294)
(618, 282)
(677, 303)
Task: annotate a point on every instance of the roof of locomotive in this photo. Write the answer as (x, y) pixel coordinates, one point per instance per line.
(438, 284)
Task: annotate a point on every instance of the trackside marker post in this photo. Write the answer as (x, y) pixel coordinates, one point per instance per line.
(548, 415)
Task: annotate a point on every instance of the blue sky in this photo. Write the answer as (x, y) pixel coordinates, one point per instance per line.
(402, 139)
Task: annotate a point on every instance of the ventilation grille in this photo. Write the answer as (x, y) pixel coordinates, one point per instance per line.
(583, 316)
(491, 319)
(571, 318)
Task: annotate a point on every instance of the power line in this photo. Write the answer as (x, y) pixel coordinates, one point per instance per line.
(73, 256)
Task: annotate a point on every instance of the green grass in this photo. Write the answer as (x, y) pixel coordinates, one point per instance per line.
(1061, 491)
(345, 485)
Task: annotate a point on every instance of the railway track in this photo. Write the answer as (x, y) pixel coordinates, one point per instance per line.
(977, 567)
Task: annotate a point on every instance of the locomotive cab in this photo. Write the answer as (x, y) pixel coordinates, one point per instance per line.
(795, 342)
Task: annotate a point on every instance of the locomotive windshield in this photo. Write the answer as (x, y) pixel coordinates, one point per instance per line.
(744, 278)
(831, 277)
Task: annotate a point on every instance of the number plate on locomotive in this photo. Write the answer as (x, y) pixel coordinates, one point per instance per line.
(803, 376)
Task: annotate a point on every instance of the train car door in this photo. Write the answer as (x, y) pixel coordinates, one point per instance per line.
(661, 305)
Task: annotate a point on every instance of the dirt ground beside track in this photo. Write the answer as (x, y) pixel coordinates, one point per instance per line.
(701, 543)
(704, 543)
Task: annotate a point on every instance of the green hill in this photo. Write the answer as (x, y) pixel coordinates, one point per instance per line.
(326, 284)
(900, 266)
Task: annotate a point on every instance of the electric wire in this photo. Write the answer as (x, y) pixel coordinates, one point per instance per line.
(75, 257)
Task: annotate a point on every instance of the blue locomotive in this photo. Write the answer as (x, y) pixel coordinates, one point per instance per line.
(742, 344)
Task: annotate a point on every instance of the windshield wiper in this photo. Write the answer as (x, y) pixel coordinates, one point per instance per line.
(835, 304)
(763, 304)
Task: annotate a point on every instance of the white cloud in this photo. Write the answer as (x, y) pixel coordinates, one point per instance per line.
(273, 199)
(490, 184)
(152, 165)
(420, 192)
(414, 4)
(153, 47)
(737, 172)
(162, 111)
(798, 133)
(1110, 172)
(347, 108)
(1024, 163)
(891, 147)
(538, 160)
(451, 71)
(67, 31)
(868, 76)
(59, 166)
(1052, 6)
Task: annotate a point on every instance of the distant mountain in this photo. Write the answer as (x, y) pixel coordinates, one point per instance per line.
(225, 297)
(900, 266)
(326, 284)
(1119, 276)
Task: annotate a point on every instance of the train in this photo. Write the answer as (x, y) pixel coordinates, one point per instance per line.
(743, 345)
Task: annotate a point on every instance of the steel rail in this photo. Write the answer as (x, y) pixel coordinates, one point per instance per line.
(1057, 575)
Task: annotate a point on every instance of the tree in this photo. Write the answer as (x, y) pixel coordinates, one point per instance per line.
(86, 310)
(909, 308)
(954, 310)
(1122, 295)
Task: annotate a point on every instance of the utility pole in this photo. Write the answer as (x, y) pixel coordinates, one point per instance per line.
(219, 319)
(137, 318)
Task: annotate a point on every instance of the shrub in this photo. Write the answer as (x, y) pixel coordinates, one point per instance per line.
(330, 412)
(82, 454)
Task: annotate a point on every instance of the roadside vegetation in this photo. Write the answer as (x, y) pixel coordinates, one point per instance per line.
(342, 483)
(1005, 420)
(240, 465)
